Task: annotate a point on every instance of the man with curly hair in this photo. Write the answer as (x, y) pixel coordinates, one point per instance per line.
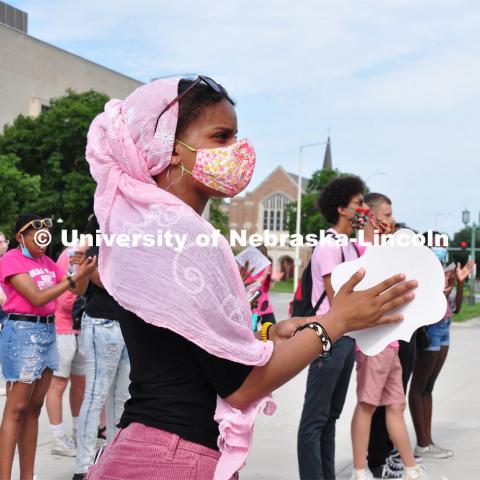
(342, 204)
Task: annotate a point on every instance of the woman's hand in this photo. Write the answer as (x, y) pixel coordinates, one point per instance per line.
(88, 266)
(356, 310)
(78, 256)
(245, 273)
(277, 276)
(463, 273)
(286, 328)
(371, 307)
(449, 283)
(387, 228)
(350, 311)
(383, 227)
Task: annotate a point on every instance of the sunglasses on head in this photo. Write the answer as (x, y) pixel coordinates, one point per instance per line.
(37, 224)
(216, 87)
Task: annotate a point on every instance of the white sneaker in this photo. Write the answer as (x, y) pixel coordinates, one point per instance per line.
(362, 475)
(446, 450)
(71, 441)
(64, 446)
(416, 473)
(432, 451)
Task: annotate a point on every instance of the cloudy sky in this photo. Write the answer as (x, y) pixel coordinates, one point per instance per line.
(396, 82)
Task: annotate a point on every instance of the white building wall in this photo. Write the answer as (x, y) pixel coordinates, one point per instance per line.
(32, 72)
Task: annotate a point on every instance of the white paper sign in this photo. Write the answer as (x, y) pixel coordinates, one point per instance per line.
(380, 262)
(255, 259)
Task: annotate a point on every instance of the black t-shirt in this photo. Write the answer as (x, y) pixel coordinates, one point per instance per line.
(99, 303)
(174, 383)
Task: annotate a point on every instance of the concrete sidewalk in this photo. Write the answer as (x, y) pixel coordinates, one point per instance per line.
(456, 418)
(456, 421)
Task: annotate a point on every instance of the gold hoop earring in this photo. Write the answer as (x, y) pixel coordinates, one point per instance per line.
(170, 183)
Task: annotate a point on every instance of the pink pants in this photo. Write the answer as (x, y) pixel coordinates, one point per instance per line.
(145, 453)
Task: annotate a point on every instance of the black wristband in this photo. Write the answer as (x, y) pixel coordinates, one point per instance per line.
(323, 335)
(71, 281)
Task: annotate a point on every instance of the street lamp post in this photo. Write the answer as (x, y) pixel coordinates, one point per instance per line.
(466, 221)
(373, 175)
(296, 271)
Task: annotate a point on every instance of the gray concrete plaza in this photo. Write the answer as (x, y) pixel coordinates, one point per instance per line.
(456, 421)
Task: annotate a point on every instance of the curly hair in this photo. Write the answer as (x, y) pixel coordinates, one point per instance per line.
(339, 193)
(192, 104)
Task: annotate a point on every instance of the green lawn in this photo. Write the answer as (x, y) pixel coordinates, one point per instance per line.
(283, 287)
(467, 312)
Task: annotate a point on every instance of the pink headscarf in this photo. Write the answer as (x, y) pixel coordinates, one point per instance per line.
(196, 292)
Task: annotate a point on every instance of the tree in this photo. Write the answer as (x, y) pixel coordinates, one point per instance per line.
(320, 179)
(311, 220)
(218, 218)
(51, 149)
(18, 191)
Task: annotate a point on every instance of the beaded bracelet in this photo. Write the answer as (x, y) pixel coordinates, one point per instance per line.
(323, 335)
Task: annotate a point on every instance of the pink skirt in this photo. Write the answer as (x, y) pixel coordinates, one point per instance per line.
(145, 453)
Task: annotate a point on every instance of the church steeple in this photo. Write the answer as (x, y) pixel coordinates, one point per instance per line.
(327, 159)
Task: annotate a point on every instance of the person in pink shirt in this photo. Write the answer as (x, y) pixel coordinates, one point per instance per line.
(71, 369)
(342, 205)
(3, 249)
(266, 278)
(32, 282)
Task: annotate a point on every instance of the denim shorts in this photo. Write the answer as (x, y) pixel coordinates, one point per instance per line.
(439, 334)
(26, 350)
(3, 317)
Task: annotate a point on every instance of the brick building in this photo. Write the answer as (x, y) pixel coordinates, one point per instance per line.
(264, 208)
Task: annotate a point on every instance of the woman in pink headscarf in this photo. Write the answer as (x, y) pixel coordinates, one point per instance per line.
(199, 375)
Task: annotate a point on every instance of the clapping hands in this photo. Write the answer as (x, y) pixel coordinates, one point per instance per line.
(462, 273)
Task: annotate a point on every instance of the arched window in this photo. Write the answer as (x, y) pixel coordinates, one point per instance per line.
(274, 216)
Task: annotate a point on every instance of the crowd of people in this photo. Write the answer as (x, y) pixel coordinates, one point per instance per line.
(380, 442)
(158, 348)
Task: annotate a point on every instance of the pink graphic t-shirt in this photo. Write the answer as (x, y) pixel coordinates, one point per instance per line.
(44, 272)
(264, 303)
(63, 311)
(324, 260)
(394, 344)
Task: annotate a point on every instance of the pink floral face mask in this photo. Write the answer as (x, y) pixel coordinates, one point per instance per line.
(226, 169)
